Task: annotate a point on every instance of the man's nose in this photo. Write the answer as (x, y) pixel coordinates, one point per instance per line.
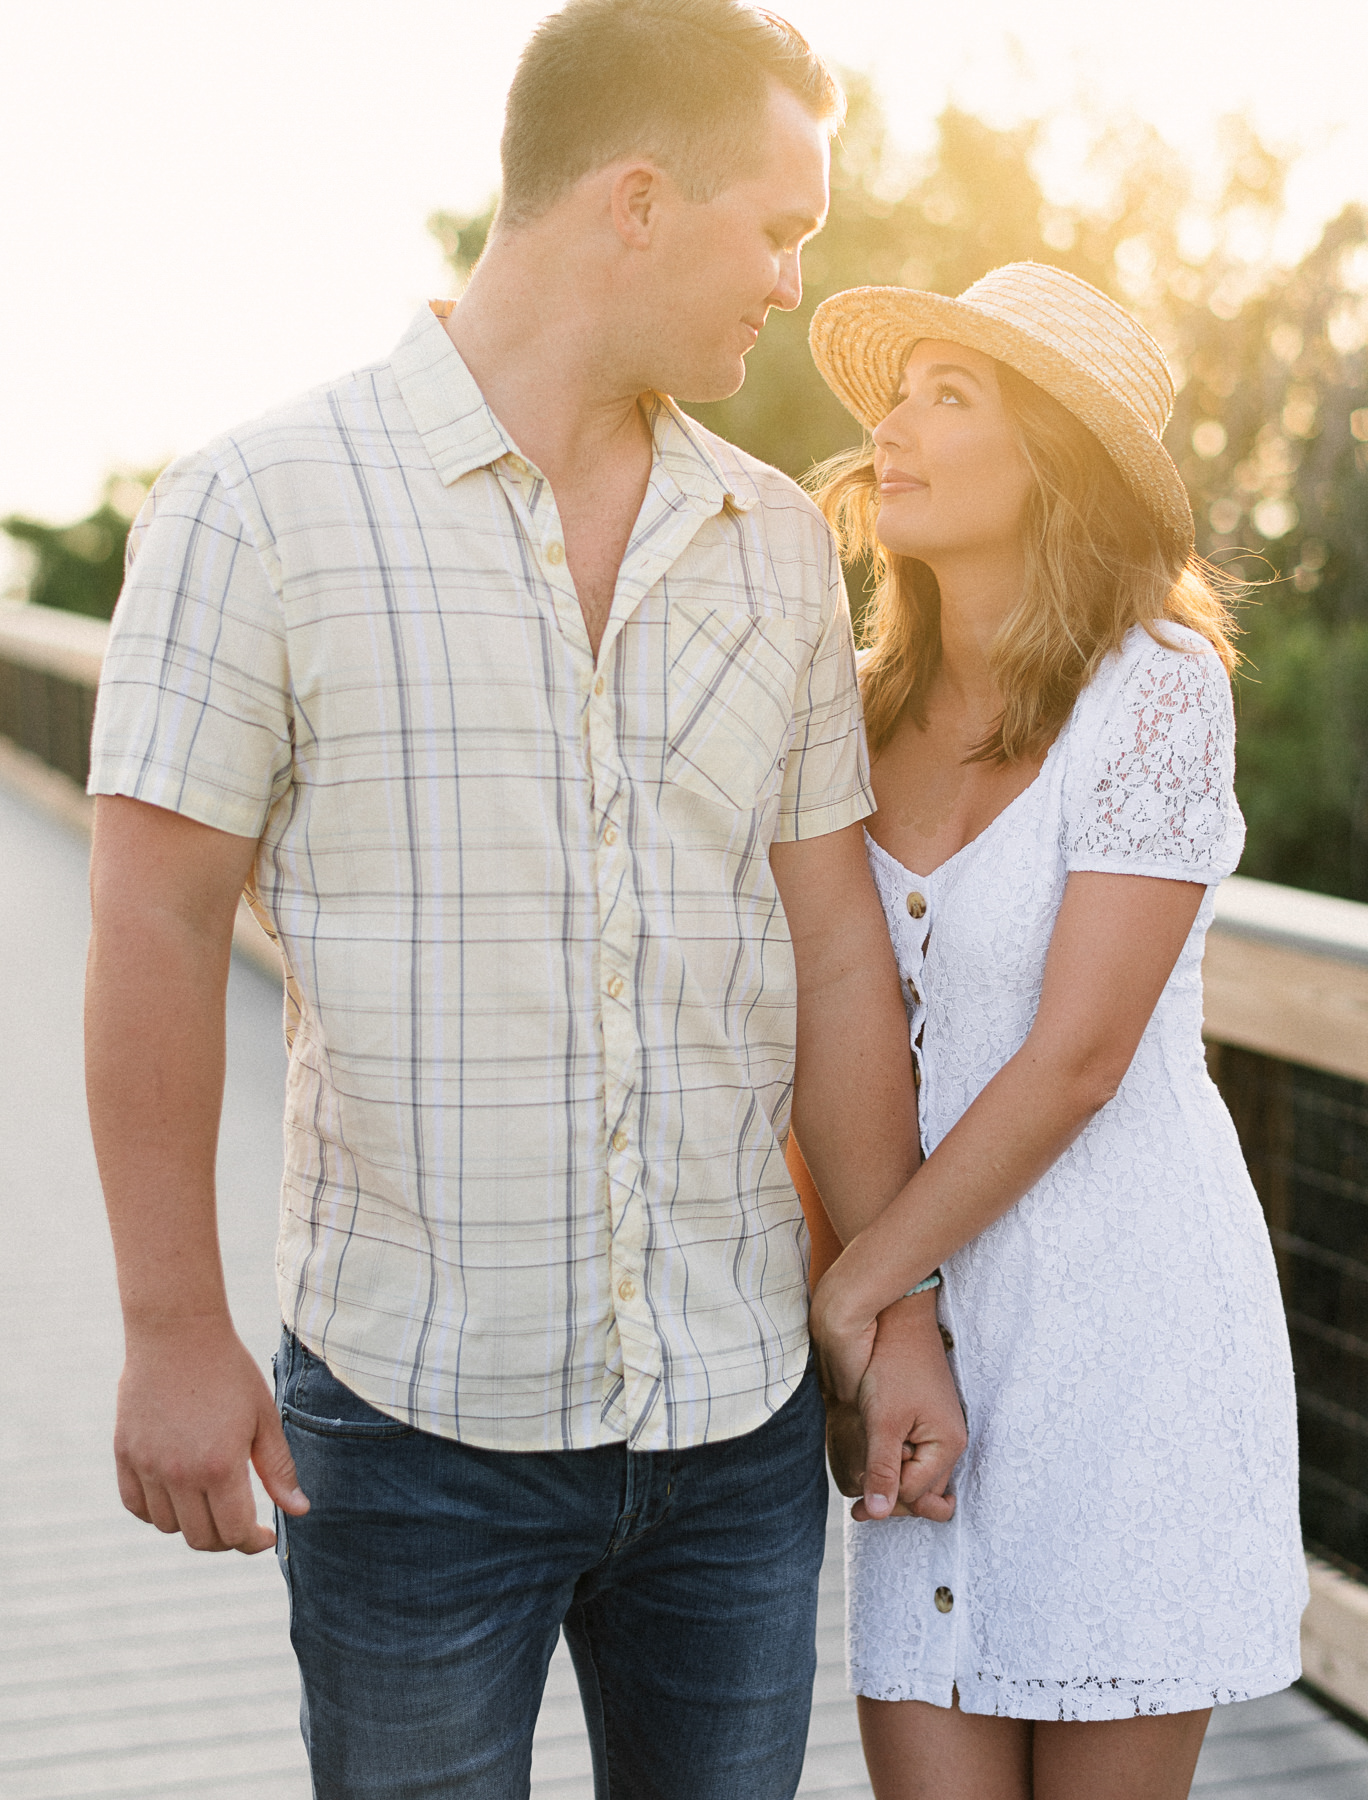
(787, 291)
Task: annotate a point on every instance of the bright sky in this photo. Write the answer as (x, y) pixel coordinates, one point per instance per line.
(206, 208)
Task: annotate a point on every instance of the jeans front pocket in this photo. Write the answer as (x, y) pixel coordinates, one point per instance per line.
(731, 682)
(313, 1399)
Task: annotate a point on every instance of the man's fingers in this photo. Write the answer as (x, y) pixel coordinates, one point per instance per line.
(273, 1463)
(845, 1446)
(232, 1505)
(131, 1492)
(940, 1507)
(883, 1468)
(161, 1510)
(197, 1523)
(926, 1473)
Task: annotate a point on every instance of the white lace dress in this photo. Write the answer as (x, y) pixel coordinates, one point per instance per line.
(1126, 1537)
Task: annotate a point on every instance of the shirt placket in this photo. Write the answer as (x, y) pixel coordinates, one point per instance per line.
(668, 523)
(634, 1359)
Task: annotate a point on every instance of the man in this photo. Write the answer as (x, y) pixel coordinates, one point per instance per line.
(525, 710)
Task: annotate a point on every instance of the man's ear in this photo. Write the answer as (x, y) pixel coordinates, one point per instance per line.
(636, 197)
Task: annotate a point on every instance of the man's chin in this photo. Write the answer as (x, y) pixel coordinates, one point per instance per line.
(702, 386)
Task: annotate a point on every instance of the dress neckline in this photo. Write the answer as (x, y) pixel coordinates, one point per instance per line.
(978, 836)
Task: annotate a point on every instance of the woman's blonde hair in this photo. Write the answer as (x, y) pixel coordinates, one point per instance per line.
(1096, 565)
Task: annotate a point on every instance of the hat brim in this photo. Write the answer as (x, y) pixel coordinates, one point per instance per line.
(861, 340)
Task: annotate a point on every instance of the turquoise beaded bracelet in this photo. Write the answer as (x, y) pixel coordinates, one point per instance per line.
(922, 1287)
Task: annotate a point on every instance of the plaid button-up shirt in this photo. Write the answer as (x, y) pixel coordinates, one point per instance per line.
(542, 988)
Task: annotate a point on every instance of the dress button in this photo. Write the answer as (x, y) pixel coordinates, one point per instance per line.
(916, 904)
(627, 1291)
(598, 685)
(610, 835)
(944, 1600)
(555, 554)
(916, 1074)
(615, 986)
(912, 993)
(619, 1140)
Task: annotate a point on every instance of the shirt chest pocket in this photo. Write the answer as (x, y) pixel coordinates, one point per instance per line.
(730, 687)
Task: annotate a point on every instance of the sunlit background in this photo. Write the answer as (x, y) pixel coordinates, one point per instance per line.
(204, 209)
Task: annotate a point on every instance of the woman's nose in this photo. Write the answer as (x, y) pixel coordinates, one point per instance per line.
(890, 432)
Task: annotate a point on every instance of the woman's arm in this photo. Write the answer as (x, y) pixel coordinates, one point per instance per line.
(1115, 942)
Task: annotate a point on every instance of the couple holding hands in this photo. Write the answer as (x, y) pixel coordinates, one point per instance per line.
(527, 714)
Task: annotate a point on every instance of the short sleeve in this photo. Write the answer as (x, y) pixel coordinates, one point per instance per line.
(193, 712)
(1151, 788)
(826, 779)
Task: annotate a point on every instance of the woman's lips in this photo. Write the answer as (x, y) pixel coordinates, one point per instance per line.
(895, 481)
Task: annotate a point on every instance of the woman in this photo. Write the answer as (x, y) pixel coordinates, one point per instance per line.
(1049, 711)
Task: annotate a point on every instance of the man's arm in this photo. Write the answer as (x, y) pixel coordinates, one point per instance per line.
(193, 1405)
(854, 1113)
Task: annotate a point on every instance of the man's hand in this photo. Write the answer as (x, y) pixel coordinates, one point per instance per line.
(896, 1438)
(193, 1411)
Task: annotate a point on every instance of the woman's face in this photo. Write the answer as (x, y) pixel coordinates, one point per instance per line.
(951, 475)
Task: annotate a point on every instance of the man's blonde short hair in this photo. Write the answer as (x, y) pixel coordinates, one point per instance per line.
(683, 82)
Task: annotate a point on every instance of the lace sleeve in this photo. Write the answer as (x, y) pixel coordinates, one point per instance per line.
(1154, 792)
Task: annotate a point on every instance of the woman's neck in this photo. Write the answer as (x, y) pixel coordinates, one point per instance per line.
(977, 593)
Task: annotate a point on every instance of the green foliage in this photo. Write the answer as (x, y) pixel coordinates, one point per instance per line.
(1264, 432)
(80, 567)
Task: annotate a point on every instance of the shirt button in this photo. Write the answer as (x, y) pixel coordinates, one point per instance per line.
(517, 466)
(598, 685)
(627, 1291)
(944, 1600)
(555, 554)
(610, 835)
(916, 905)
(619, 1141)
(615, 986)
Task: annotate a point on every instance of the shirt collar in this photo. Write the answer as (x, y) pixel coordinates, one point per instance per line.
(460, 433)
(458, 430)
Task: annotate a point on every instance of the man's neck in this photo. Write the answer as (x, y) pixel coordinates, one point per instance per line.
(526, 328)
(536, 337)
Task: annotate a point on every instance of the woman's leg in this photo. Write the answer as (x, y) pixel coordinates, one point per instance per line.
(1119, 1759)
(920, 1752)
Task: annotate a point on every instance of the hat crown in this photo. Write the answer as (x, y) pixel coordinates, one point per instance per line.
(1080, 323)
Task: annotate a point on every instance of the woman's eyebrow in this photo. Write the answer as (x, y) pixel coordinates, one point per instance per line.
(953, 369)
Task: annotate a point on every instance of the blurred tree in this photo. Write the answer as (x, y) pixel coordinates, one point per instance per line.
(1270, 428)
(80, 567)
(1270, 432)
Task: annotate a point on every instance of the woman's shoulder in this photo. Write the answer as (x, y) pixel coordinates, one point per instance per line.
(1166, 664)
(1150, 782)
(1164, 646)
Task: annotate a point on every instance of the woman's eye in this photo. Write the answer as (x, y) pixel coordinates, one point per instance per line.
(950, 394)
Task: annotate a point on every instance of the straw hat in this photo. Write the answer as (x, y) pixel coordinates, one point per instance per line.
(1056, 330)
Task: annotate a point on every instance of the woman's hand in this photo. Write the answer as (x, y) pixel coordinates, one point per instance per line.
(896, 1433)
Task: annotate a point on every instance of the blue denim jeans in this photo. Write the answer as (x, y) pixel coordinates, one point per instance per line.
(429, 1581)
